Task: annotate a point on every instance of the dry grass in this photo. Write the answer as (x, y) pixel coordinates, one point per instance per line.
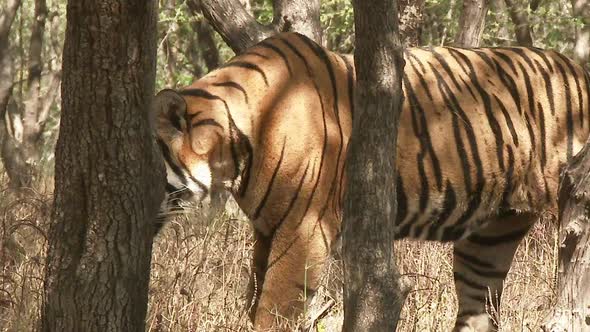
(200, 274)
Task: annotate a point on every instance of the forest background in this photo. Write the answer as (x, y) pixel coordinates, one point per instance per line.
(200, 268)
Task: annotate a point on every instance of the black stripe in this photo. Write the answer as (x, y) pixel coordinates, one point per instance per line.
(249, 66)
(472, 260)
(199, 93)
(402, 201)
(520, 52)
(168, 158)
(508, 118)
(543, 140)
(508, 186)
(200, 184)
(295, 195)
(574, 74)
(410, 55)
(423, 135)
(422, 81)
(272, 180)
(529, 89)
(510, 85)
(492, 121)
(449, 205)
(447, 68)
(254, 53)
(569, 112)
(531, 131)
(325, 143)
(321, 53)
(494, 240)
(234, 85)
(543, 56)
(472, 284)
(267, 44)
(235, 136)
(207, 122)
(494, 274)
(506, 59)
(549, 86)
(461, 151)
(587, 85)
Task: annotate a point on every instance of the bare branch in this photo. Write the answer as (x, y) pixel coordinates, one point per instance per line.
(238, 28)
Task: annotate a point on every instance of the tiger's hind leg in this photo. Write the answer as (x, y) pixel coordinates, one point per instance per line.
(480, 265)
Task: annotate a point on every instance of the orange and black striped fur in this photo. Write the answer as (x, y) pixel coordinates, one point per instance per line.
(483, 136)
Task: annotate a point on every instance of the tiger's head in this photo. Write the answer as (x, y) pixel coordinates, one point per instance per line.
(192, 133)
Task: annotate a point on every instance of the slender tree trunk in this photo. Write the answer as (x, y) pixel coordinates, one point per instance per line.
(372, 292)
(109, 176)
(581, 10)
(520, 19)
(240, 30)
(572, 309)
(6, 73)
(471, 23)
(410, 21)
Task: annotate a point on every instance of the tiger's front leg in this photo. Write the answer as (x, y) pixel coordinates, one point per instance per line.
(289, 276)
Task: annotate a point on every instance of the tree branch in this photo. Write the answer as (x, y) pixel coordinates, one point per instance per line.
(520, 19)
(238, 28)
(301, 16)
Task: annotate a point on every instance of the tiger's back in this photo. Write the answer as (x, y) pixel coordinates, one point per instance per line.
(482, 137)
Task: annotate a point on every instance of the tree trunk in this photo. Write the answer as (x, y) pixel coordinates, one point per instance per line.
(372, 295)
(6, 72)
(471, 23)
(572, 309)
(240, 30)
(302, 16)
(581, 11)
(109, 178)
(410, 21)
(520, 19)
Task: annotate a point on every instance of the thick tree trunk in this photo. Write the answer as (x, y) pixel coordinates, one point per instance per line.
(109, 178)
(372, 295)
(520, 19)
(471, 23)
(240, 30)
(410, 21)
(572, 309)
(581, 10)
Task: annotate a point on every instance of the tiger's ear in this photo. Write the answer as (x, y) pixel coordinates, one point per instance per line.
(168, 111)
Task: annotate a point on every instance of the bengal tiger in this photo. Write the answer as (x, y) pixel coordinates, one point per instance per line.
(483, 135)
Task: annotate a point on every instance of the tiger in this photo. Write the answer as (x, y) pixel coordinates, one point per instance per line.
(483, 136)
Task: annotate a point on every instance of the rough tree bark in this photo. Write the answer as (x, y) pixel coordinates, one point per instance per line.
(520, 19)
(471, 23)
(581, 10)
(572, 309)
(372, 291)
(410, 21)
(109, 175)
(239, 29)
